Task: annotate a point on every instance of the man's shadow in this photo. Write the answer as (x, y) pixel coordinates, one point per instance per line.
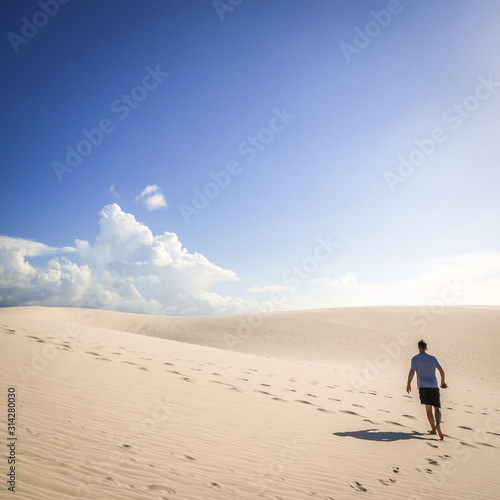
(376, 435)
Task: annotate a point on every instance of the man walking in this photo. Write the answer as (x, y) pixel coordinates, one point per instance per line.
(425, 365)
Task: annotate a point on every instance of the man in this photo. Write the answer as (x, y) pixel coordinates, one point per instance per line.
(425, 365)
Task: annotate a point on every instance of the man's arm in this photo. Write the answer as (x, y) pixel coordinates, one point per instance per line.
(410, 378)
(443, 383)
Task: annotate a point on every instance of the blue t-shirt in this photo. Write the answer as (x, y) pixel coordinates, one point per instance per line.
(425, 365)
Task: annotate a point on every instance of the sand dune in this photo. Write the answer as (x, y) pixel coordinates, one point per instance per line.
(295, 405)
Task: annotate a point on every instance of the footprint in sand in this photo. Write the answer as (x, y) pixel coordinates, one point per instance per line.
(395, 469)
(304, 402)
(387, 482)
(266, 385)
(369, 421)
(311, 395)
(160, 487)
(334, 399)
(358, 406)
(432, 461)
(221, 383)
(410, 416)
(466, 428)
(433, 445)
(349, 412)
(244, 379)
(357, 486)
(394, 423)
(463, 443)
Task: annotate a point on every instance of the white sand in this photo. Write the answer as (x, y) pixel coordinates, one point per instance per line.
(308, 404)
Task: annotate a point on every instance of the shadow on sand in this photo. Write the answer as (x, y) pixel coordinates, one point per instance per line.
(376, 435)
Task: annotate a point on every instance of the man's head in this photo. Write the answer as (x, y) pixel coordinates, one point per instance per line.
(422, 346)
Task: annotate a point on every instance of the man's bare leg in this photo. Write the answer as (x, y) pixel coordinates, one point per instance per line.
(438, 423)
(430, 417)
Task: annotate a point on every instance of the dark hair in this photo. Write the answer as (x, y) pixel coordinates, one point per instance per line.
(422, 344)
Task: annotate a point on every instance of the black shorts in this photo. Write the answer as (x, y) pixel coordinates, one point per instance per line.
(430, 396)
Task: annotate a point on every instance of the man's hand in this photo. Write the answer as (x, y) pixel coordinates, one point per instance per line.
(408, 388)
(444, 385)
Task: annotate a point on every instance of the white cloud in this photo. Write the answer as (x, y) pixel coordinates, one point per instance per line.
(113, 191)
(152, 198)
(148, 190)
(31, 248)
(127, 268)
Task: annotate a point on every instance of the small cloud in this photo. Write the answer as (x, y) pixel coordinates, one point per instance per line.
(346, 280)
(152, 198)
(114, 192)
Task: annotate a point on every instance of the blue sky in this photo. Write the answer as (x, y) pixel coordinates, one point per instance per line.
(310, 105)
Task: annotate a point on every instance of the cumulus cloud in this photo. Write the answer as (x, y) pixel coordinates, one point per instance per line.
(127, 268)
(152, 198)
